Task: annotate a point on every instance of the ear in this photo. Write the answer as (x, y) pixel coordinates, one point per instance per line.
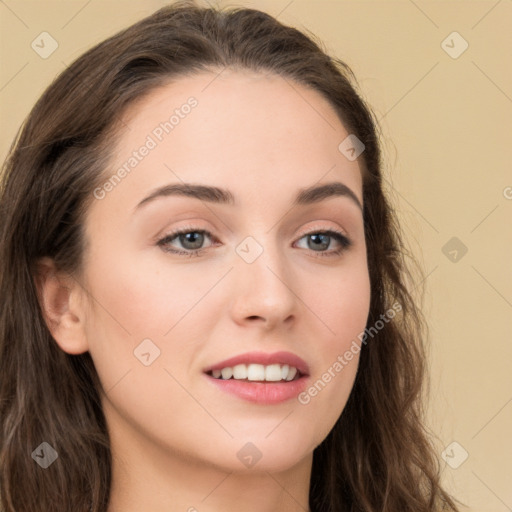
(61, 300)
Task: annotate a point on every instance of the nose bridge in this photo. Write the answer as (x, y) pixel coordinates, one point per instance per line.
(263, 279)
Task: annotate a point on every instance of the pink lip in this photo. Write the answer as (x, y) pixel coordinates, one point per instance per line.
(264, 359)
(262, 392)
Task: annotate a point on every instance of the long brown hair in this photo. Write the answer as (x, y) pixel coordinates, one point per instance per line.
(378, 456)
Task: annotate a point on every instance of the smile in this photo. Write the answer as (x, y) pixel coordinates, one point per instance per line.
(261, 378)
(257, 372)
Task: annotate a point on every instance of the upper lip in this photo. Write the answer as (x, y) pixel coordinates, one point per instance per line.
(265, 359)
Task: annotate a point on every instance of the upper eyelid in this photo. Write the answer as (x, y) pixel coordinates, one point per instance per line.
(191, 229)
(316, 229)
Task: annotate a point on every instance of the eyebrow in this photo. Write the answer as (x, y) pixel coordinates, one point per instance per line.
(211, 194)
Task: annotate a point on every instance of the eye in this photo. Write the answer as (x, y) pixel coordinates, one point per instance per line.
(192, 240)
(319, 240)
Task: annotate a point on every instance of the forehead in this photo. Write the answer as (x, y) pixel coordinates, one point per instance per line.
(238, 128)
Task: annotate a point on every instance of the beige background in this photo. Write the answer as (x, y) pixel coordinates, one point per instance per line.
(447, 124)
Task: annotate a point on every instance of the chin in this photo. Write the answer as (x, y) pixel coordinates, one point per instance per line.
(274, 454)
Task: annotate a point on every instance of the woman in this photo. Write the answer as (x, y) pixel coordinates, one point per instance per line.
(280, 368)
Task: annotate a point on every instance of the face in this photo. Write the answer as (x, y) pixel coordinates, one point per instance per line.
(260, 273)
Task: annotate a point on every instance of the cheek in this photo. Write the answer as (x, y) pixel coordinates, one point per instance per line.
(341, 302)
(343, 309)
(330, 385)
(131, 303)
(143, 298)
(144, 309)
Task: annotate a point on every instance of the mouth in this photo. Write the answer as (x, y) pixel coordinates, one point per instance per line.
(257, 373)
(259, 377)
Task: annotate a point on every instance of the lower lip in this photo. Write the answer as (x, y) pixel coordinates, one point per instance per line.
(262, 392)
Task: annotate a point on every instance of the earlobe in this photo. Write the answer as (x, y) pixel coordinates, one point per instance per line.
(58, 293)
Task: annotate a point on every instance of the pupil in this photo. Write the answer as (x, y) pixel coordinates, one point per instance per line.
(318, 242)
(189, 238)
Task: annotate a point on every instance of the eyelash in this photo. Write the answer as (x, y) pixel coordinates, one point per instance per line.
(338, 236)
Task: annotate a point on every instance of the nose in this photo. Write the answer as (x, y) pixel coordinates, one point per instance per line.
(264, 291)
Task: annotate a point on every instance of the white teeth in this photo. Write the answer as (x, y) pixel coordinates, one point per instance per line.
(240, 371)
(257, 372)
(227, 373)
(273, 372)
(291, 373)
